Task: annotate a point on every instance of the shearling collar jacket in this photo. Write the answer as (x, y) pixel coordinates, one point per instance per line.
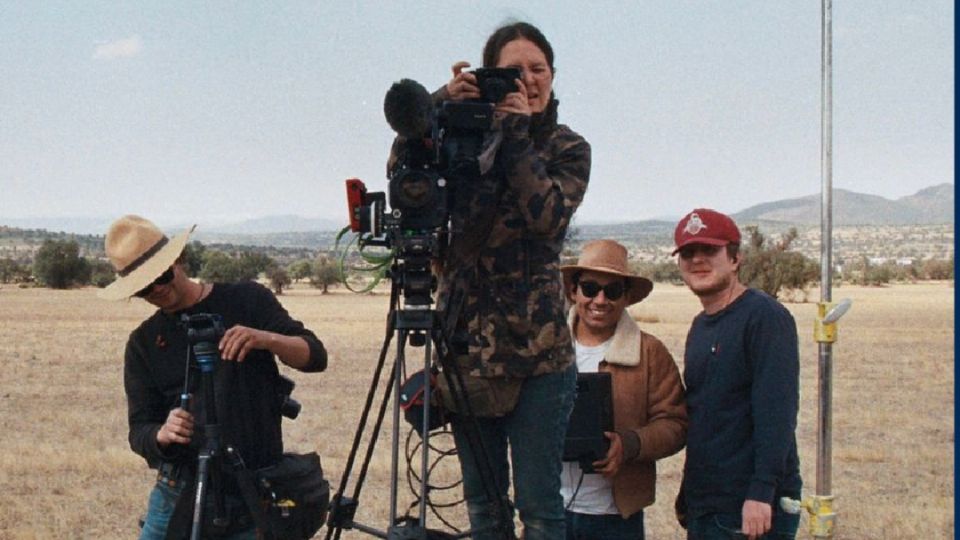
(649, 412)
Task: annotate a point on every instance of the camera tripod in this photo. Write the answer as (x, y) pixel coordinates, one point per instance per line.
(417, 323)
(215, 457)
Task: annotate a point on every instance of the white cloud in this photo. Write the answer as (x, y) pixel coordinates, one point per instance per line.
(121, 48)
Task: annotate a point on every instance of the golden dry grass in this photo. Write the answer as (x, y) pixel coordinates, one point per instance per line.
(66, 470)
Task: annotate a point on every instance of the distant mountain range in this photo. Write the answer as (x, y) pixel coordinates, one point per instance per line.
(930, 206)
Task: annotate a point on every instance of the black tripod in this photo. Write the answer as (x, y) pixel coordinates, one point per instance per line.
(214, 458)
(419, 324)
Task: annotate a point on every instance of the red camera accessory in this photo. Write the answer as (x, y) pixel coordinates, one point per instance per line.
(356, 196)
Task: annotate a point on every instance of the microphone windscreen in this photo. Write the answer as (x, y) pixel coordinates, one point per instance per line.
(409, 109)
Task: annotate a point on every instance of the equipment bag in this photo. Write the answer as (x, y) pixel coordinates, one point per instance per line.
(296, 496)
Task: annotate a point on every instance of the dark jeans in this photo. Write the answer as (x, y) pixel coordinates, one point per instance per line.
(727, 527)
(535, 430)
(604, 527)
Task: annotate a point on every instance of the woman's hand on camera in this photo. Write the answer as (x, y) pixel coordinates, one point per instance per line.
(463, 85)
(515, 102)
(177, 429)
(238, 341)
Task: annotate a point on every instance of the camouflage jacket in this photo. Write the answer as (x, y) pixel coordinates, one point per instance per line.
(500, 274)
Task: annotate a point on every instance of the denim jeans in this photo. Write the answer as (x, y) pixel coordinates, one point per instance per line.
(160, 507)
(534, 430)
(604, 527)
(726, 526)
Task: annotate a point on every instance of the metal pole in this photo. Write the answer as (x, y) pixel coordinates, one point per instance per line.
(821, 506)
(826, 259)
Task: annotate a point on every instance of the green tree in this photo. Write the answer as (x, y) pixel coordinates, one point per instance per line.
(937, 269)
(101, 273)
(217, 267)
(325, 273)
(221, 267)
(251, 264)
(58, 265)
(279, 278)
(193, 258)
(661, 272)
(13, 272)
(772, 268)
(301, 269)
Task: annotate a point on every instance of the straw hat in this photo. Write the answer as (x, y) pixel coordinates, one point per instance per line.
(139, 252)
(608, 257)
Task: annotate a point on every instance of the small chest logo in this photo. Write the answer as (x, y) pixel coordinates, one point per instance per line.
(694, 225)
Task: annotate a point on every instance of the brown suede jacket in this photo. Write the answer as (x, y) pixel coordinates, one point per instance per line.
(649, 411)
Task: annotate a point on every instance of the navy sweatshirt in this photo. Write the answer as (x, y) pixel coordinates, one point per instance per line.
(741, 368)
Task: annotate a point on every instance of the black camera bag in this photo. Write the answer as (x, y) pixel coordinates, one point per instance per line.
(295, 496)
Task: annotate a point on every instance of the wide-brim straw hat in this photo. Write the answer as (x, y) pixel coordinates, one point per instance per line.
(139, 252)
(608, 257)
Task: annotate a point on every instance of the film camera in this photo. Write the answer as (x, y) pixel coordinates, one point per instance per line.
(496, 83)
(438, 148)
(204, 331)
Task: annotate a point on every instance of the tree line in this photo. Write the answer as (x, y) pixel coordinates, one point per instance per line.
(774, 268)
(771, 266)
(58, 264)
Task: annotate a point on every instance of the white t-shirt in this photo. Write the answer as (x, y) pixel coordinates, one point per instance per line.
(595, 495)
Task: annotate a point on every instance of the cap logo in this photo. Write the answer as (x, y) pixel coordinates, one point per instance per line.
(694, 225)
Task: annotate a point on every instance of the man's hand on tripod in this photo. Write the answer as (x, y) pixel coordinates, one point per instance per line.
(239, 340)
(177, 429)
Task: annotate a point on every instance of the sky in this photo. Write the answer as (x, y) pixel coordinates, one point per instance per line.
(215, 112)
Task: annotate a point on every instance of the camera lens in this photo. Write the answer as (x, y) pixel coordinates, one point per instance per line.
(414, 189)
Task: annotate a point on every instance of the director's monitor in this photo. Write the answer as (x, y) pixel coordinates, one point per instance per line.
(592, 415)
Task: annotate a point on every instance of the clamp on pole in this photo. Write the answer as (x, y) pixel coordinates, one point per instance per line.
(825, 324)
(822, 516)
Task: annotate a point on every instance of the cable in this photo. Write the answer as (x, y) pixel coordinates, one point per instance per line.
(575, 492)
(412, 446)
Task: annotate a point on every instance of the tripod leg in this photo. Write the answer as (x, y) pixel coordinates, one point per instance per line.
(341, 503)
(203, 475)
(395, 432)
(425, 431)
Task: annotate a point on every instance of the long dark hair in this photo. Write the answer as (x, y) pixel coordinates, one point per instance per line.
(507, 33)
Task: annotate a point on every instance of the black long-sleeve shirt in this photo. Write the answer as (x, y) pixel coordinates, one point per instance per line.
(741, 367)
(248, 404)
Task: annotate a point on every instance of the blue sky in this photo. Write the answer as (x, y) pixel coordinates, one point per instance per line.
(223, 111)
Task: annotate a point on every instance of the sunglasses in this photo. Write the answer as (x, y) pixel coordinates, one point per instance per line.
(164, 278)
(612, 291)
(688, 252)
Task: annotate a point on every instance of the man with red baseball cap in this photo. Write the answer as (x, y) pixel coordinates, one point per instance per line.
(741, 368)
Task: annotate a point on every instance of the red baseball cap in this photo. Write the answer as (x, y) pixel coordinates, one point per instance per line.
(705, 226)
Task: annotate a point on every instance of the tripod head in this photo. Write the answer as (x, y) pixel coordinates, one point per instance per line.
(204, 331)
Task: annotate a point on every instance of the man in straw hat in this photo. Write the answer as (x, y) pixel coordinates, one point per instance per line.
(650, 418)
(247, 384)
(741, 366)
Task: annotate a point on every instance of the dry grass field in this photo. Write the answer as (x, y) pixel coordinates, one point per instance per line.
(66, 470)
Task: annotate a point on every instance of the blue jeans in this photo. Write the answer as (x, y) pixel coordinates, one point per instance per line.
(160, 507)
(726, 526)
(535, 430)
(604, 527)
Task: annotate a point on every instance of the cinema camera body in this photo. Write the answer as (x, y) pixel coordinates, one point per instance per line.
(437, 150)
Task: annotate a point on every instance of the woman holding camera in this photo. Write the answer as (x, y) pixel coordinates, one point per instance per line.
(501, 292)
